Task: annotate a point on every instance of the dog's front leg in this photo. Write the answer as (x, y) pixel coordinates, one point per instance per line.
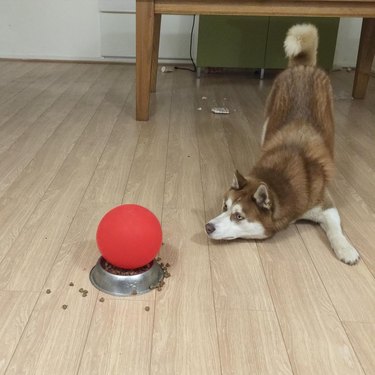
(329, 220)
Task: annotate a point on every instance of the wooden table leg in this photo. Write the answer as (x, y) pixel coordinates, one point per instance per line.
(365, 58)
(145, 26)
(155, 52)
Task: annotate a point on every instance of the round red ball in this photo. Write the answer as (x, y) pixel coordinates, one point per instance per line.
(129, 236)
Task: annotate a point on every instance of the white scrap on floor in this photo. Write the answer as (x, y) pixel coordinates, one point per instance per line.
(165, 69)
(220, 110)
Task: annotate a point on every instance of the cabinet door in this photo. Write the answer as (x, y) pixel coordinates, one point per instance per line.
(232, 41)
(278, 27)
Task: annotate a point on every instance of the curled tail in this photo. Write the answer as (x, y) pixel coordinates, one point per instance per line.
(301, 44)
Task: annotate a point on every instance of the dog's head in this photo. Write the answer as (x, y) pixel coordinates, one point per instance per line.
(247, 211)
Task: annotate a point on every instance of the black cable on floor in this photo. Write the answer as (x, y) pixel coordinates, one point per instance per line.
(191, 53)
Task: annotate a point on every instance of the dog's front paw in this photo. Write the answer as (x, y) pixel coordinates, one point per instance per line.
(347, 253)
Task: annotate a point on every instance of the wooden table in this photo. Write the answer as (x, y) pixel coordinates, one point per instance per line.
(148, 19)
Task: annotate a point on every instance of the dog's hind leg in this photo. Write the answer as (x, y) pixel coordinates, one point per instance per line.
(329, 220)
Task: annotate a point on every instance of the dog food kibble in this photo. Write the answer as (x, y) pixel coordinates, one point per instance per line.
(48, 291)
(134, 292)
(64, 307)
(124, 272)
(81, 290)
(147, 308)
(101, 299)
(167, 265)
(71, 284)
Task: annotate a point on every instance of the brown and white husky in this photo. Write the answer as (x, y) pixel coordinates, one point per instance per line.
(289, 182)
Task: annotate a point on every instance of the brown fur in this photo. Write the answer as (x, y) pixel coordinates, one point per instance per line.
(289, 180)
(297, 156)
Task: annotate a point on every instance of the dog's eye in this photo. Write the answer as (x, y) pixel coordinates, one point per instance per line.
(225, 207)
(238, 216)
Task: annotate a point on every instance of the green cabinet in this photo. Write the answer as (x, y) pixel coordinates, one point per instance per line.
(257, 42)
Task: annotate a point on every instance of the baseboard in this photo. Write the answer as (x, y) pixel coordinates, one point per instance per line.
(96, 60)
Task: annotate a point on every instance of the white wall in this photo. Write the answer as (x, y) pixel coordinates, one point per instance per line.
(75, 29)
(57, 29)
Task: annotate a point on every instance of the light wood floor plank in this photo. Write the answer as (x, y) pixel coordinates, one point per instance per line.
(356, 171)
(25, 193)
(242, 130)
(12, 129)
(119, 340)
(362, 337)
(185, 338)
(264, 352)
(5, 66)
(49, 343)
(11, 73)
(147, 176)
(9, 70)
(16, 308)
(238, 277)
(39, 80)
(15, 159)
(42, 236)
(79, 253)
(239, 282)
(315, 339)
(183, 188)
(359, 139)
(351, 289)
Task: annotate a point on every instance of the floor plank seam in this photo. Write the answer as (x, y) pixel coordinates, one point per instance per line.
(330, 299)
(161, 219)
(90, 179)
(201, 158)
(33, 98)
(275, 310)
(353, 347)
(23, 332)
(47, 139)
(53, 179)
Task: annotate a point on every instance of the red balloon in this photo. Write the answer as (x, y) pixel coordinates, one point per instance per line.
(129, 236)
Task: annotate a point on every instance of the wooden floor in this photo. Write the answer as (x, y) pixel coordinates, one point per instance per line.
(70, 150)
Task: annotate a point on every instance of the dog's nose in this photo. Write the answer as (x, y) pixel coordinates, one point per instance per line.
(210, 228)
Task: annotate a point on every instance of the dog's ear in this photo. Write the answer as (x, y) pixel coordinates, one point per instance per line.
(239, 181)
(262, 197)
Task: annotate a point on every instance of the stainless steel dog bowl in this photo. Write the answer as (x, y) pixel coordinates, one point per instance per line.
(118, 285)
